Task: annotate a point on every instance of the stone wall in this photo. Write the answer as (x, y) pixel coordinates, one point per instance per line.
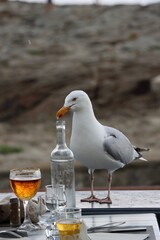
(113, 53)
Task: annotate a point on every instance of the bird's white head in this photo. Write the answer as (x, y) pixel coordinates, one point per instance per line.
(74, 101)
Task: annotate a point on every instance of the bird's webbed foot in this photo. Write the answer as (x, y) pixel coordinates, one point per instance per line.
(92, 198)
(106, 200)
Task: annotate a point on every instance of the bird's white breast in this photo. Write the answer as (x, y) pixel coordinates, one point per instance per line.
(87, 146)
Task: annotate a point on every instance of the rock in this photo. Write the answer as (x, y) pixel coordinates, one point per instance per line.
(106, 50)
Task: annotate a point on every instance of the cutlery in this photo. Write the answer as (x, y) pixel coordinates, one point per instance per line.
(107, 225)
(128, 229)
(118, 229)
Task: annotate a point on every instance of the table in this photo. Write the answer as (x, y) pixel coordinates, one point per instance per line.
(147, 219)
(140, 207)
(123, 199)
(124, 202)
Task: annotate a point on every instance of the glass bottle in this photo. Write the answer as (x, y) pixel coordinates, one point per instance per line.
(62, 165)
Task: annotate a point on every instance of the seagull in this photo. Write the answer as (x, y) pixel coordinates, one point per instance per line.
(96, 146)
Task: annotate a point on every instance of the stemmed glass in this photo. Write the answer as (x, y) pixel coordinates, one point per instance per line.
(25, 184)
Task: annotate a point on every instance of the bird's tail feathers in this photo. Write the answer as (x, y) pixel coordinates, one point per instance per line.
(139, 150)
(143, 159)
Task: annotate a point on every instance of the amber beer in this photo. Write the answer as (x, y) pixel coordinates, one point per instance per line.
(69, 229)
(25, 188)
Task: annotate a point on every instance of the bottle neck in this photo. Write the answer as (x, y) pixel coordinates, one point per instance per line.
(61, 134)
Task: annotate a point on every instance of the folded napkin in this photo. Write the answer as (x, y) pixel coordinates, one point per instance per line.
(36, 208)
(119, 236)
(83, 231)
(110, 236)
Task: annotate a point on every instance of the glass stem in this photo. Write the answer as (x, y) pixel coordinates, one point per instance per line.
(26, 212)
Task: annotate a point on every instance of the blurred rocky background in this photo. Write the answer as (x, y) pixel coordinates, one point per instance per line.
(112, 53)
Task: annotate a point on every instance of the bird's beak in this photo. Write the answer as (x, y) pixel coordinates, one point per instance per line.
(62, 111)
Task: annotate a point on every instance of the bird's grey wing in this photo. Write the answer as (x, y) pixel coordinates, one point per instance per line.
(117, 145)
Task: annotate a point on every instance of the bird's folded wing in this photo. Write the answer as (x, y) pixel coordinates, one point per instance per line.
(118, 146)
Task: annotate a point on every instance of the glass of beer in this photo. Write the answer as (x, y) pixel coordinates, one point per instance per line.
(25, 184)
(69, 223)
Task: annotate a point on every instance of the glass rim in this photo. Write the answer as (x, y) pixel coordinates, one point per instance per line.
(60, 122)
(54, 186)
(48, 185)
(27, 168)
(71, 210)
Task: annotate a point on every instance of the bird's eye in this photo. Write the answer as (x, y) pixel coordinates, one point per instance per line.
(74, 99)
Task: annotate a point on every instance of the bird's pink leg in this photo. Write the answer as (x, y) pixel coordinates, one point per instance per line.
(92, 198)
(108, 199)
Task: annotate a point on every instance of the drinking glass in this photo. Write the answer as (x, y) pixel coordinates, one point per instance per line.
(69, 223)
(51, 200)
(60, 190)
(25, 184)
